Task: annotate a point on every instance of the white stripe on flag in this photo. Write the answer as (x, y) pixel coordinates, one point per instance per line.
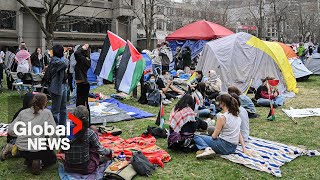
(107, 64)
(127, 77)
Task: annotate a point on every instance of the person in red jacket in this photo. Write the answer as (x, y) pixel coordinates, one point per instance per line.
(264, 95)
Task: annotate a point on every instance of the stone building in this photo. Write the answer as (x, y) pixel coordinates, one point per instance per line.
(87, 24)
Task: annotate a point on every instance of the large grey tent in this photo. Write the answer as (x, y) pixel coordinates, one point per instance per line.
(242, 60)
(313, 64)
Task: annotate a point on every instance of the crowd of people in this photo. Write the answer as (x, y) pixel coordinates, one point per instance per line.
(58, 68)
(201, 106)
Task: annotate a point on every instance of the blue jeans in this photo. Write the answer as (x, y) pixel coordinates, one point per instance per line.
(203, 113)
(74, 85)
(219, 146)
(36, 69)
(59, 106)
(156, 68)
(279, 101)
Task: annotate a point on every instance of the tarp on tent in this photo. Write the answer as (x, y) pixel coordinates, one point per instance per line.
(94, 60)
(313, 64)
(200, 30)
(195, 46)
(288, 50)
(241, 58)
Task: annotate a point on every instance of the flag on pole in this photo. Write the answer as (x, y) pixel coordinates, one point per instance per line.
(130, 69)
(160, 118)
(113, 47)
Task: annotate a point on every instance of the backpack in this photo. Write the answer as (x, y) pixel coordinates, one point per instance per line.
(141, 164)
(154, 96)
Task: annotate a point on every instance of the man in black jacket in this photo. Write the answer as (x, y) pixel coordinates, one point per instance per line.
(81, 68)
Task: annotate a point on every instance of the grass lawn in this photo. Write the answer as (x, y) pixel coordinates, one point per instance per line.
(185, 166)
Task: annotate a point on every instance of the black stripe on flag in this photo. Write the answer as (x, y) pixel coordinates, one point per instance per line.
(123, 65)
(102, 57)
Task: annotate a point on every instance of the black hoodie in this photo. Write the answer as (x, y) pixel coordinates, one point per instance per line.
(83, 64)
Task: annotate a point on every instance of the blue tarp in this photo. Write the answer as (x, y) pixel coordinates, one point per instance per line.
(139, 114)
(94, 60)
(148, 65)
(195, 46)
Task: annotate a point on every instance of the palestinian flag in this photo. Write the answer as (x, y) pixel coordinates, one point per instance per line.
(160, 118)
(130, 69)
(113, 47)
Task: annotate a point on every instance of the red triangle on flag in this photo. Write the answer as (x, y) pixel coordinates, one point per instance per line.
(116, 41)
(135, 55)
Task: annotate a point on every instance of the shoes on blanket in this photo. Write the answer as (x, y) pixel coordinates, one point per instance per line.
(207, 153)
(109, 130)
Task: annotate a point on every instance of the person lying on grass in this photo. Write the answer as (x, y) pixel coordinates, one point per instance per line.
(245, 101)
(83, 155)
(183, 123)
(265, 96)
(10, 149)
(37, 115)
(226, 135)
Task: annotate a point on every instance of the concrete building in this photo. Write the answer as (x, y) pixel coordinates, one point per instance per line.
(87, 24)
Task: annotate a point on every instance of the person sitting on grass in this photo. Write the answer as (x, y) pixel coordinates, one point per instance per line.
(226, 135)
(166, 86)
(200, 98)
(7, 149)
(183, 123)
(245, 101)
(213, 85)
(37, 115)
(265, 97)
(83, 155)
(244, 127)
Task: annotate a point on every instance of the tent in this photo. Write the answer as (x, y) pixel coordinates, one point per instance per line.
(242, 60)
(313, 64)
(299, 69)
(195, 35)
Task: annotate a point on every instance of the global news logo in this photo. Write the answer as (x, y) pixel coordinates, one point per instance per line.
(48, 136)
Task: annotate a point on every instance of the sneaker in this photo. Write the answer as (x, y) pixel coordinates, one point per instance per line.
(179, 96)
(36, 167)
(165, 102)
(207, 153)
(170, 102)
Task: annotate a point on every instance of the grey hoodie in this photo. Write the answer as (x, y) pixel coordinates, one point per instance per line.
(57, 70)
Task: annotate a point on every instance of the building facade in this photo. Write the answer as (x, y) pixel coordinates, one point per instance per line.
(86, 24)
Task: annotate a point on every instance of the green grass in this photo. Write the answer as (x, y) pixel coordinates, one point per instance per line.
(185, 166)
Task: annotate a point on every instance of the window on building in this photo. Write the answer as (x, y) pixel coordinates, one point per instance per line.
(84, 25)
(169, 26)
(160, 10)
(159, 25)
(7, 20)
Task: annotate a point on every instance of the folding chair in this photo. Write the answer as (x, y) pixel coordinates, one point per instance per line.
(36, 81)
(16, 83)
(27, 82)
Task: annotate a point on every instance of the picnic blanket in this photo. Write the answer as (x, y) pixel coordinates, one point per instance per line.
(145, 144)
(267, 156)
(299, 113)
(74, 176)
(134, 112)
(4, 129)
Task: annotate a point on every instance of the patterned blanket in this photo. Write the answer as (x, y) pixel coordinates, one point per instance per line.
(268, 156)
(145, 144)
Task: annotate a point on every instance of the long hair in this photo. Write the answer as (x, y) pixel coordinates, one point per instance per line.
(233, 89)
(230, 102)
(82, 113)
(236, 97)
(185, 101)
(39, 102)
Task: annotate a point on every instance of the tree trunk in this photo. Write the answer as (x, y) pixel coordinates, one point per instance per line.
(278, 31)
(49, 41)
(148, 37)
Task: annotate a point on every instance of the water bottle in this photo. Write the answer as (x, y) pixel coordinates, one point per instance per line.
(122, 156)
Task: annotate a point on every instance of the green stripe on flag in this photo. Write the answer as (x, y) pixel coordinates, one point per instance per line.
(138, 72)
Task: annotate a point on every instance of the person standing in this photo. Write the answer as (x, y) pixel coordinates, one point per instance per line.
(37, 61)
(2, 55)
(165, 53)
(301, 52)
(73, 63)
(82, 66)
(156, 60)
(186, 56)
(58, 85)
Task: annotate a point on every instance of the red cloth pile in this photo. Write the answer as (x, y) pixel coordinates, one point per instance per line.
(145, 144)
